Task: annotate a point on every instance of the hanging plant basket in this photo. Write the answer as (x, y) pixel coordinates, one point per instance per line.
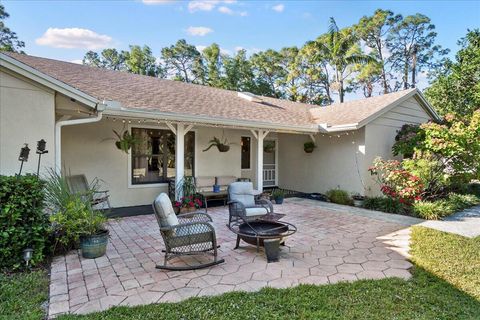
(309, 146)
(269, 147)
(222, 146)
(124, 141)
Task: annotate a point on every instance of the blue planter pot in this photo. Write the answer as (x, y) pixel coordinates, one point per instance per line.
(94, 246)
(216, 188)
(278, 200)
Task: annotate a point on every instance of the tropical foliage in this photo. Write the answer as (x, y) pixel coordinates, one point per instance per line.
(456, 89)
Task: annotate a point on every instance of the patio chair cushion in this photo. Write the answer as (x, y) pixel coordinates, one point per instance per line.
(164, 211)
(242, 192)
(190, 235)
(256, 211)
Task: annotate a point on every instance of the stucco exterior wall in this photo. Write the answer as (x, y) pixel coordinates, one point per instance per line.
(335, 163)
(27, 114)
(85, 151)
(380, 135)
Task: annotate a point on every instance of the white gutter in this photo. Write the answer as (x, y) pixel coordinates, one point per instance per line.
(58, 135)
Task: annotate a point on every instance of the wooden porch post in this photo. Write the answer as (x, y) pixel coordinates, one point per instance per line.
(259, 135)
(180, 131)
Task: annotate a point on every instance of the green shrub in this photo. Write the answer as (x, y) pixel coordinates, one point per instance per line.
(339, 196)
(23, 223)
(77, 219)
(278, 193)
(384, 204)
(431, 210)
(444, 207)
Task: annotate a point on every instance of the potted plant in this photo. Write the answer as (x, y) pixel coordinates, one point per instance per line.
(269, 147)
(278, 195)
(309, 146)
(94, 238)
(222, 146)
(187, 204)
(358, 200)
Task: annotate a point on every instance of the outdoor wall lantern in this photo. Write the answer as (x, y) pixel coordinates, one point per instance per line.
(41, 145)
(23, 157)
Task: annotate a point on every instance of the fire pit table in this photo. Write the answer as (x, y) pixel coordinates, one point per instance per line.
(264, 233)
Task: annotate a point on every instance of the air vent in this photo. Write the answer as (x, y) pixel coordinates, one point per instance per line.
(249, 97)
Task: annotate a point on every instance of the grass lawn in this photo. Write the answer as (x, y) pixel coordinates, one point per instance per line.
(445, 285)
(22, 295)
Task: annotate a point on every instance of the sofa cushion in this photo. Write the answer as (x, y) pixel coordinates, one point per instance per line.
(256, 211)
(204, 183)
(242, 192)
(225, 181)
(164, 211)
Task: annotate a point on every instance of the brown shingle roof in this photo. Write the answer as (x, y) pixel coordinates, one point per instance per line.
(355, 111)
(143, 92)
(154, 94)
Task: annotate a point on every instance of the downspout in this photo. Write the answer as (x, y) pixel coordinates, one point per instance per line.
(58, 133)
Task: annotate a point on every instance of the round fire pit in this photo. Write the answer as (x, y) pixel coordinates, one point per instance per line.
(249, 232)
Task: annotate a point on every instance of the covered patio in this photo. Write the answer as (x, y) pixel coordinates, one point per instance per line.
(334, 243)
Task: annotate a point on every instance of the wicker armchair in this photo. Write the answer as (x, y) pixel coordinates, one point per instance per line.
(185, 234)
(243, 205)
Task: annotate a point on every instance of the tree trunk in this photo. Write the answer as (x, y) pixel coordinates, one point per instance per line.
(414, 65)
(340, 91)
(405, 74)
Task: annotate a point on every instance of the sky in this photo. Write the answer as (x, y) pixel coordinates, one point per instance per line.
(65, 30)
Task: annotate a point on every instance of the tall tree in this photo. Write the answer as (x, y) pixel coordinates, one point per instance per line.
(457, 87)
(313, 73)
(340, 48)
(412, 46)
(269, 73)
(108, 59)
(373, 30)
(113, 60)
(238, 74)
(213, 64)
(139, 60)
(8, 39)
(183, 61)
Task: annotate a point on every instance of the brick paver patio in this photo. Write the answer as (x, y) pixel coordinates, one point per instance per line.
(331, 245)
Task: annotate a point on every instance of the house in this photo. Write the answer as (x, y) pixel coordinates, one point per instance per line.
(75, 108)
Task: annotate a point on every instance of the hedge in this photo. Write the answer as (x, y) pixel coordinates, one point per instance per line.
(23, 222)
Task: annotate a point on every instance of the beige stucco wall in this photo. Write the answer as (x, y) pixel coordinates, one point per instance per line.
(333, 164)
(27, 114)
(380, 135)
(85, 150)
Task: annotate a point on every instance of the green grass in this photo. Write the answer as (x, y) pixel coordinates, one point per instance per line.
(445, 285)
(22, 295)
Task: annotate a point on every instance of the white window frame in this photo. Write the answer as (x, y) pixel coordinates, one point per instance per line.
(129, 162)
(251, 153)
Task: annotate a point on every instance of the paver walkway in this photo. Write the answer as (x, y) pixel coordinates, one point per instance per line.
(331, 245)
(465, 223)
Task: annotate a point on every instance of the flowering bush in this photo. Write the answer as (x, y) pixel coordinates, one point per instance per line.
(188, 202)
(396, 182)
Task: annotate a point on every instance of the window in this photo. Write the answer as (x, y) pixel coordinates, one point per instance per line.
(153, 156)
(246, 150)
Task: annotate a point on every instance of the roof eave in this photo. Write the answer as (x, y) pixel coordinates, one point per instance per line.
(46, 80)
(189, 118)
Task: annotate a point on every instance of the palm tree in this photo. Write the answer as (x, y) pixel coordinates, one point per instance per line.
(340, 49)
